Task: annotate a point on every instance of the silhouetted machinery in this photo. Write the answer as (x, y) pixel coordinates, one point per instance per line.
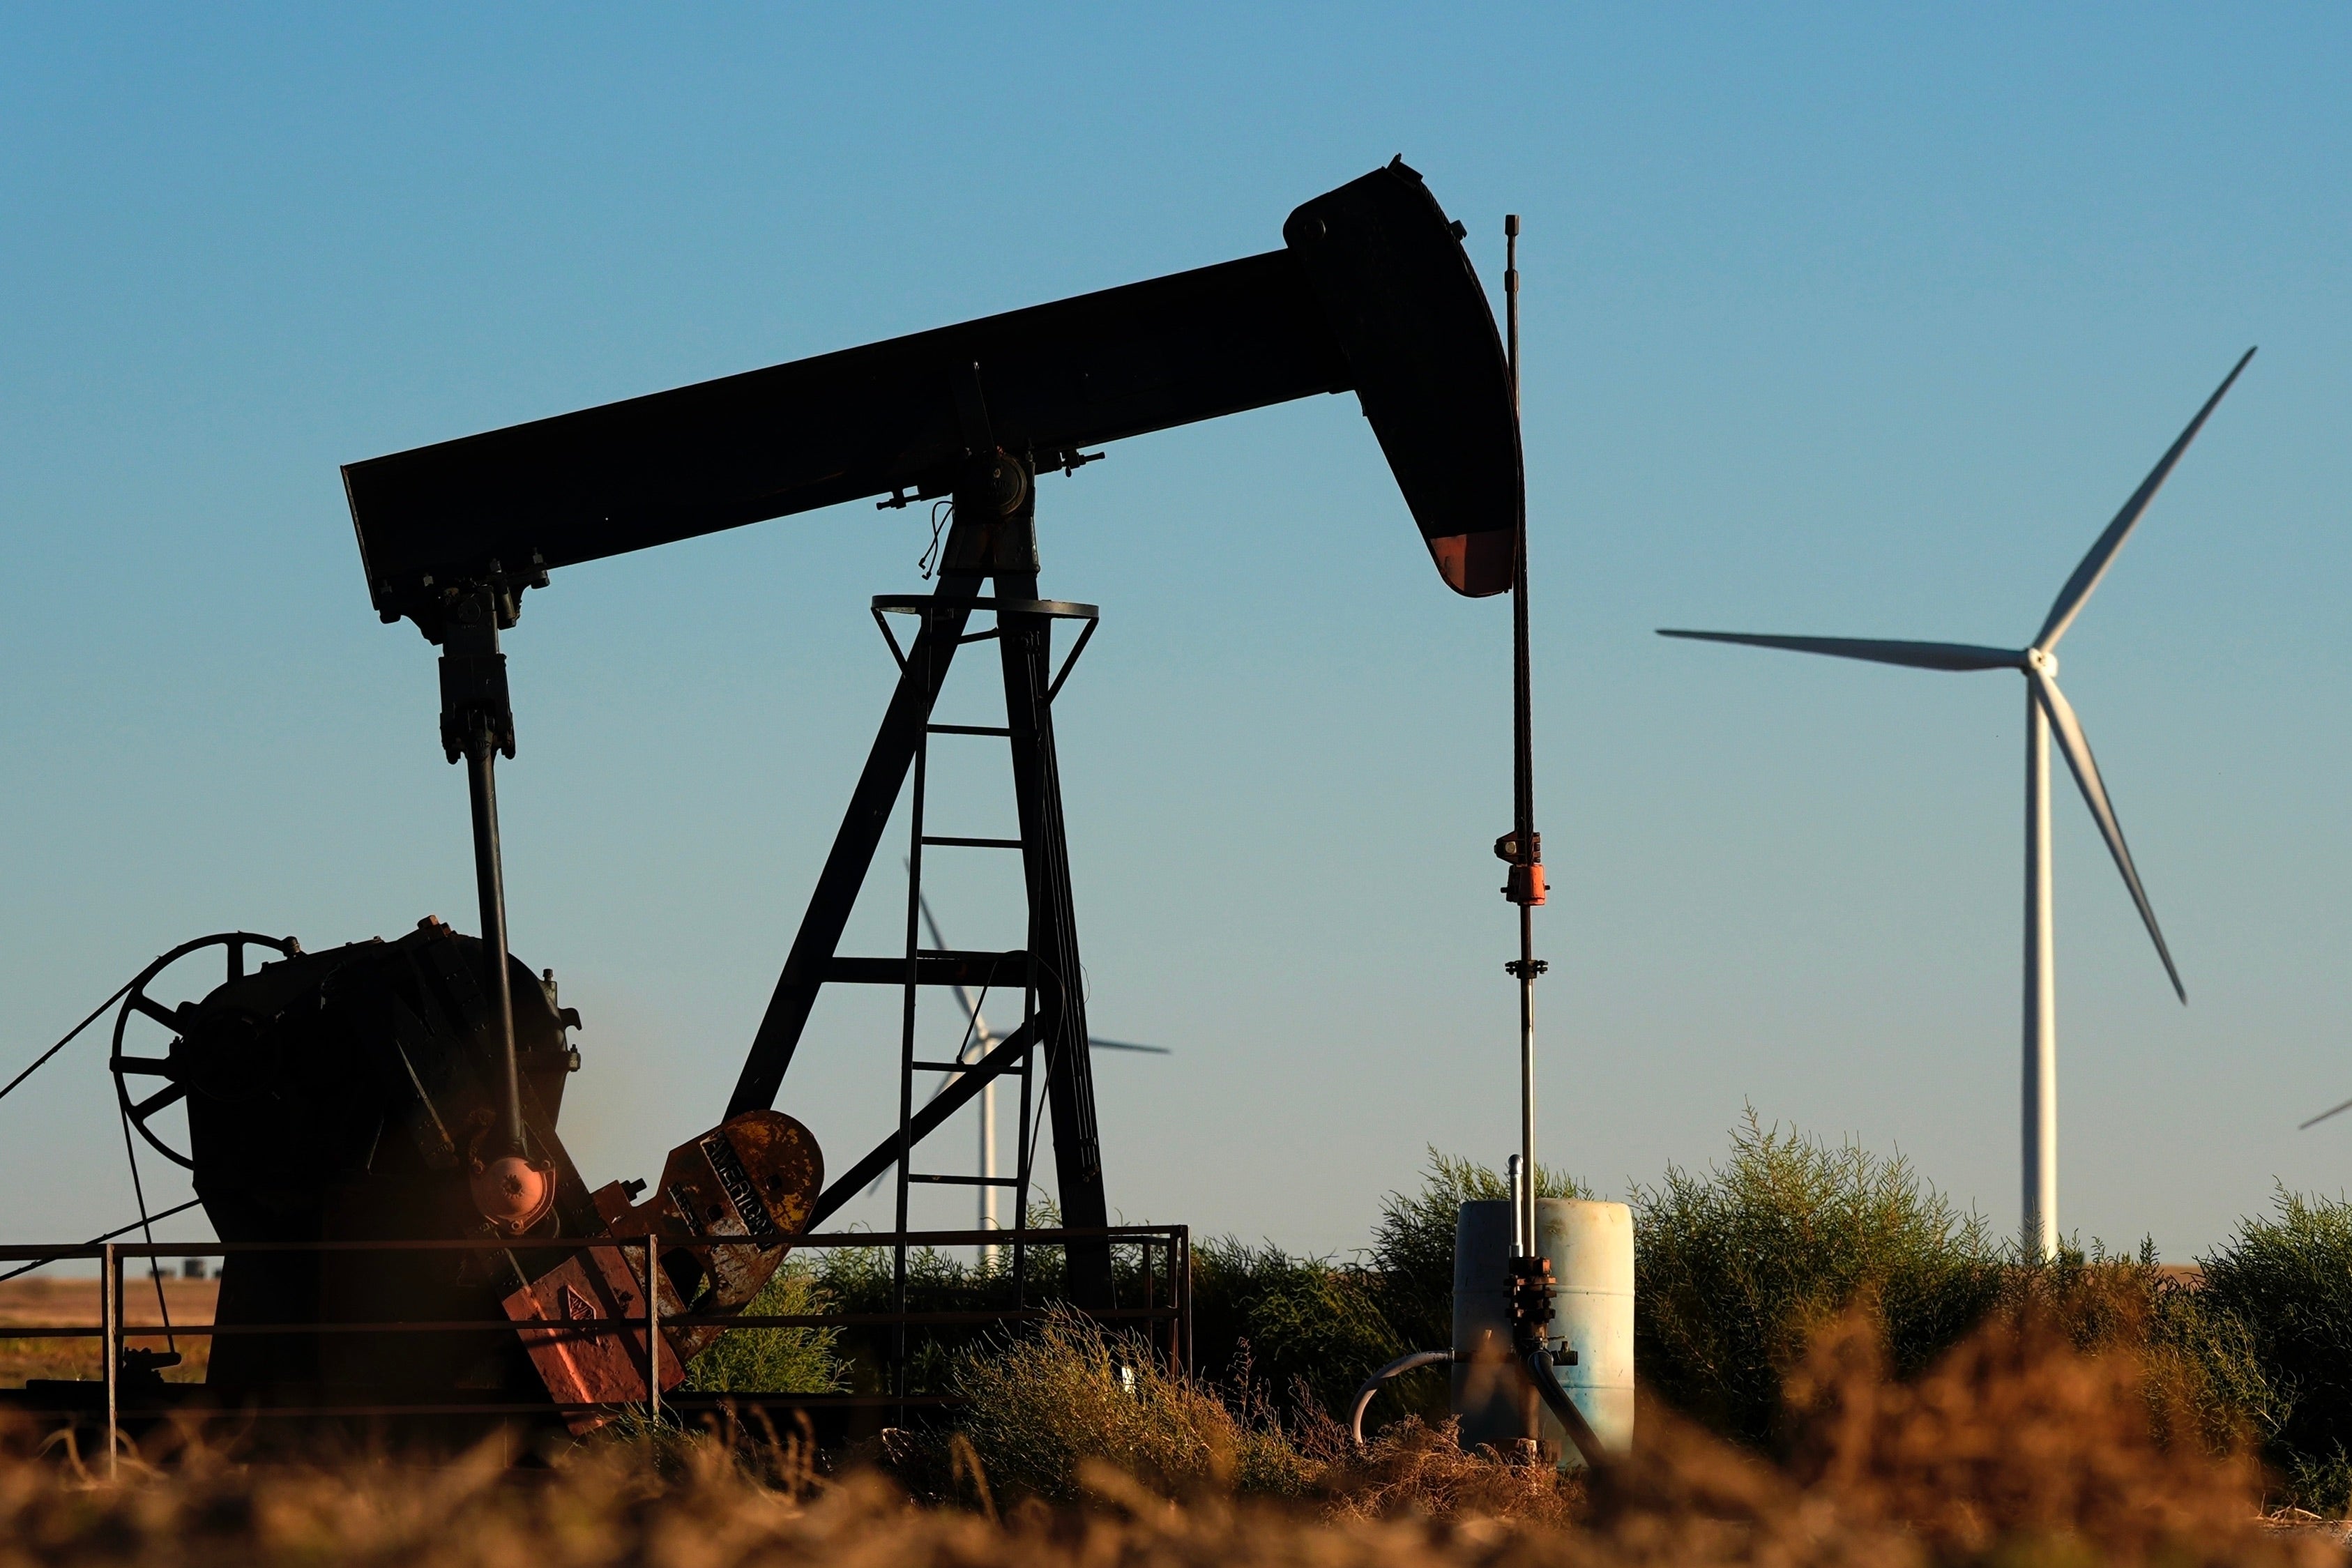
(409, 1090)
(356, 1095)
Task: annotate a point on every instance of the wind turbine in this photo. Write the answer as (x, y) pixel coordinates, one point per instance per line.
(2046, 708)
(979, 1040)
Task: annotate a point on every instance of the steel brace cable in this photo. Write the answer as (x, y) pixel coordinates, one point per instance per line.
(43, 1059)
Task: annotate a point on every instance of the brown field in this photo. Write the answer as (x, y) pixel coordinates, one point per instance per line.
(2016, 1451)
(53, 1302)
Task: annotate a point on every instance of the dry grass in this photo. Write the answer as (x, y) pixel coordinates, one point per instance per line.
(2017, 1449)
(1413, 1470)
(2015, 1434)
(1042, 1406)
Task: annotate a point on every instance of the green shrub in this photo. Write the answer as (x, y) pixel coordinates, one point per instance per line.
(860, 1279)
(2205, 1380)
(775, 1360)
(1305, 1328)
(1317, 1327)
(1736, 1268)
(2098, 1300)
(1040, 1406)
(2207, 1361)
(2286, 1282)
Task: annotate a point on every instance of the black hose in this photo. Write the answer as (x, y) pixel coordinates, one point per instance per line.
(1538, 1366)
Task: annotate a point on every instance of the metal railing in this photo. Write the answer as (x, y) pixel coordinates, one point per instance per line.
(1165, 1314)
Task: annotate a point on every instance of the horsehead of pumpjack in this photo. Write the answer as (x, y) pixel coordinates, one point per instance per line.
(440, 1039)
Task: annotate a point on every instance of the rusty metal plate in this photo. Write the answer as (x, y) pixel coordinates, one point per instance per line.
(591, 1366)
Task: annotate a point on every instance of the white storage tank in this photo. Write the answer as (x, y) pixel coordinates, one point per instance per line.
(1591, 1245)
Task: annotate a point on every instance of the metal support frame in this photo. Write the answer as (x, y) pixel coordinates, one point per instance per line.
(913, 972)
(109, 1318)
(992, 537)
(1023, 637)
(1057, 988)
(653, 1329)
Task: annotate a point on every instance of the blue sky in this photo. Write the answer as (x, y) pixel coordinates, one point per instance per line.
(1851, 321)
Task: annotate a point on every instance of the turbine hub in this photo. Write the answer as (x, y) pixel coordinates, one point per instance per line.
(2036, 659)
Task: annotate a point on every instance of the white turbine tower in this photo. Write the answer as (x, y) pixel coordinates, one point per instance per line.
(2046, 708)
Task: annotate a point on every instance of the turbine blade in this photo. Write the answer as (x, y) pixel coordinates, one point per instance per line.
(2094, 565)
(1877, 650)
(978, 1032)
(2331, 1111)
(1099, 1043)
(924, 902)
(2077, 747)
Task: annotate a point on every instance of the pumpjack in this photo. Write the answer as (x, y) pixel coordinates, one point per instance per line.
(407, 1091)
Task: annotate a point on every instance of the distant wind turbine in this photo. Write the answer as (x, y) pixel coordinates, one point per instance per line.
(2046, 708)
(979, 1040)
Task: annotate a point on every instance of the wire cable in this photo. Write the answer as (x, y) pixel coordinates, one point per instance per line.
(942, 514)
(147, 1225)
(98, 1240)
(70, 1033)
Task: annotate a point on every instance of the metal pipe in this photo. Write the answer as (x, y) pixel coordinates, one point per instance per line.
(52, 1253)
(1396, 1368)
(1538, 1366)
(1525, 891)
(2039, 1233)
(1024, 1146)
(988, 1255)
(110, 1315)
(1184, 1238)
(575, 1328)
(490, 886)
(1527, 1216)
(652, 1332)
(1515, 1176)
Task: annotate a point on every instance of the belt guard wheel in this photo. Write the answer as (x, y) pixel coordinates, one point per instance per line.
(137, 1001)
